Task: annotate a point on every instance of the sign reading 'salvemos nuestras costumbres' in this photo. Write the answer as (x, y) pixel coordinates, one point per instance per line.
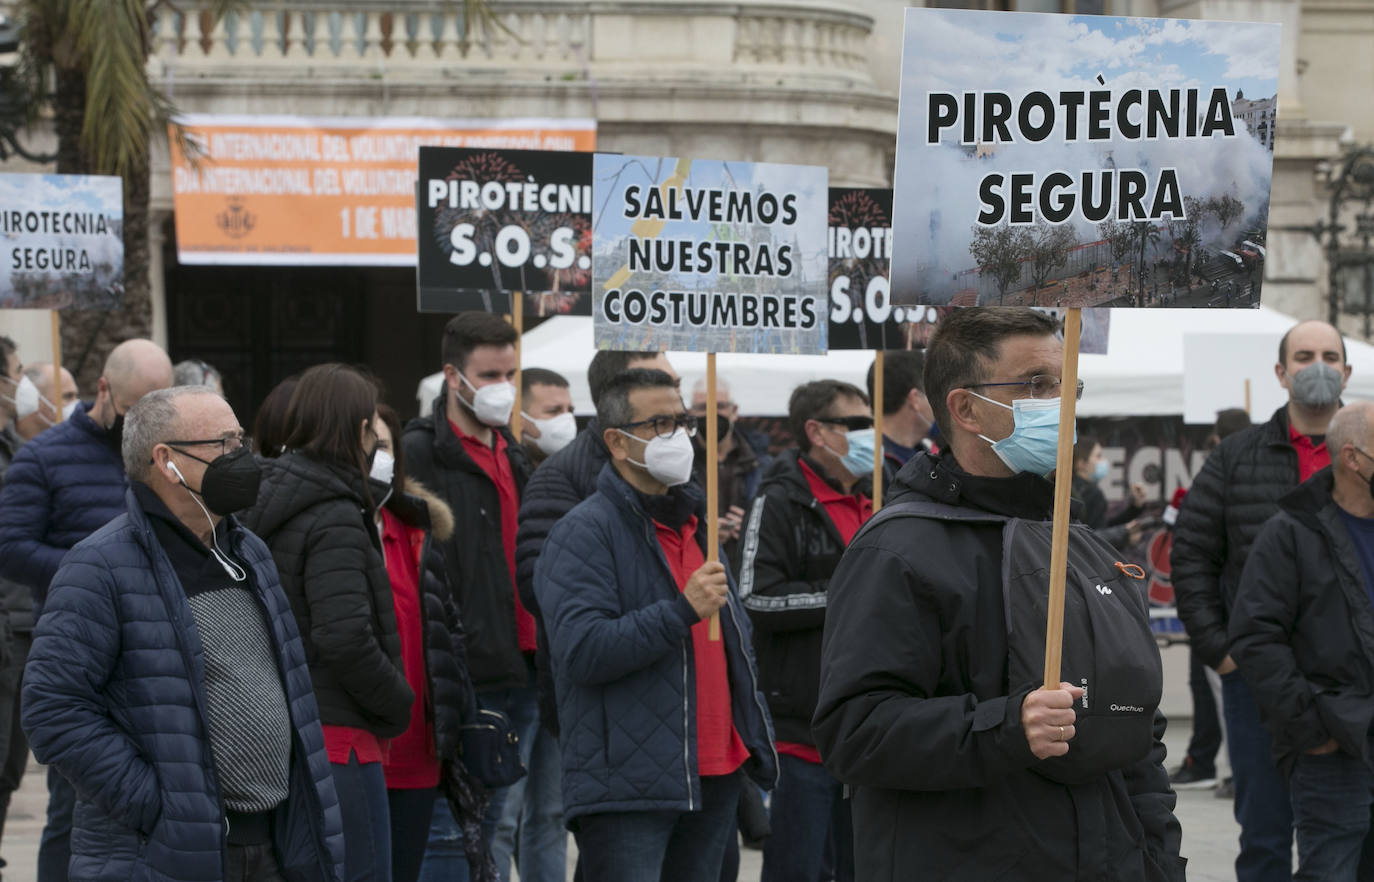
(61, 242)
(709, 256)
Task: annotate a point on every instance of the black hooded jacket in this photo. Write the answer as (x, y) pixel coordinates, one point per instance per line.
(786, 556)
(317, 520)
(917, 715)
(1302, 629)
(1235, 492)
(475, 554)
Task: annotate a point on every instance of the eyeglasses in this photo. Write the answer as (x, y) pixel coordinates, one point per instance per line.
(1039, 386)
(227, 444)
(665, 426)
(850, 423)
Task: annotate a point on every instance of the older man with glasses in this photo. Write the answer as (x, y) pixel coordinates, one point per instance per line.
(961, 767)
(167, 681)
(659, 720)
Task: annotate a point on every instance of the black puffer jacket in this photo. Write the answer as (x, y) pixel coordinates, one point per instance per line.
(917, 714)
(1235, 492)
(453, 701)
(1302, 631)
(556, 487)
(787, 554)
(16, 600)
(475, 555)
(318, 522)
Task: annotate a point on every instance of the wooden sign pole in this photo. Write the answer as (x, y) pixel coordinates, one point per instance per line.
(1063, 483)
(712, 480)
(57, 365)
(517, 318)
(877, 430)
(1247, 396)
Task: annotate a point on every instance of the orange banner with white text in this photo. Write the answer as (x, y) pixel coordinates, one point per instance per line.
(294, 191)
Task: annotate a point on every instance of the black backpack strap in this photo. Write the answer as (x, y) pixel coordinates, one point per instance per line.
(935, 511)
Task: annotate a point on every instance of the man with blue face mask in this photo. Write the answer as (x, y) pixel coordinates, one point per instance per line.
(808, 508)
(1237, 490)
(928, 708)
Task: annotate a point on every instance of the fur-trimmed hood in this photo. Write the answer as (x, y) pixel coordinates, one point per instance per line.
(418, 506)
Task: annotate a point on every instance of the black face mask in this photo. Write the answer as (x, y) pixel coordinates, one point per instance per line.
(231, 481)
(722, 427)
(115, 433)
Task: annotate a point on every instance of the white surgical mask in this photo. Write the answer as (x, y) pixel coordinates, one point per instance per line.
(383, 466)
(492, 404)
(555, 433)
(69, 410)
(668, 460)
(26, 397)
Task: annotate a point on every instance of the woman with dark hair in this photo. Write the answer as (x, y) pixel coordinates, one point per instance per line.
(424, 760)
(315, 511)
(269, 426)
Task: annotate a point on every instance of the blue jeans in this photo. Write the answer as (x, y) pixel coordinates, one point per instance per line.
(662, 846)
(808, 808)
(445, 860)
(1263, 808)
(366, 820)
(530, 826)
(55, 847)
(1332, 797)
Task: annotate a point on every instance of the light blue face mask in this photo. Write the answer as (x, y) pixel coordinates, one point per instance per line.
(1033, 445)
(859, 460)
(1100, 471)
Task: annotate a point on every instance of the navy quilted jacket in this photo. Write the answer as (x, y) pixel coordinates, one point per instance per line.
(114, 699)
(62, 487)
(620, 635)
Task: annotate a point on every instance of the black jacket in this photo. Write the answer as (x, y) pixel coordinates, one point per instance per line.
(1093, 512)
(16, 600)
(1234, 493)
(317, 520)
(917, 715)
(475, 555)
(453, 701)
(556, 487)
(787, 554)
(1302, 630)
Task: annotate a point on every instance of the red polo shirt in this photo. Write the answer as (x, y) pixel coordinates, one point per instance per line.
(1312, 458)
(848, 513)
(496, 464)
(720, 750)
(411, 762)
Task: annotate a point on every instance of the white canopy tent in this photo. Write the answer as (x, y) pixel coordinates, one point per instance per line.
(1142, 373)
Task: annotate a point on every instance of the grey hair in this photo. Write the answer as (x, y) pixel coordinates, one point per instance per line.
(194, 372)
(1350, 425)
(152, 421)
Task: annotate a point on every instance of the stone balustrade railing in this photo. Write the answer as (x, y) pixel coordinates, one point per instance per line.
(526, 35)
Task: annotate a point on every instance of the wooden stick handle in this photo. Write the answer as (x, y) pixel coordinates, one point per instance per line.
(712, 480)
(877, 431)
(57, 365)
(1063, 483)
(517, 318)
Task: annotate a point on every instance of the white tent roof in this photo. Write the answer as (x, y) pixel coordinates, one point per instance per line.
(1141, 375)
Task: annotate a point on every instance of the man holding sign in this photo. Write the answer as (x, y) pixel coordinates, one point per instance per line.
(961, 767)
(658, 720)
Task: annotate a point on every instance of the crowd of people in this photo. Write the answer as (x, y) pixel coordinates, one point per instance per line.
(341, 646)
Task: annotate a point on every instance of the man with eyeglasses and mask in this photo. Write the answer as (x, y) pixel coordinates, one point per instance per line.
(167, 679)
(742, 460)
(930, 706)
(659, 720)
(61, 488)
(1302, 635)
(807, 510)
(1236, 491)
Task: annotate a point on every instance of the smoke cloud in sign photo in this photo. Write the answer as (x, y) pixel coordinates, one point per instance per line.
(709, 256)
(1102, 161)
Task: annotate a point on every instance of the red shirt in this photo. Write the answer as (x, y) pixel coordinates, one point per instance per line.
(342, 741)
(848, 513)
(720, 750)
(1312, 458)
(411, 763)
(496, 464)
